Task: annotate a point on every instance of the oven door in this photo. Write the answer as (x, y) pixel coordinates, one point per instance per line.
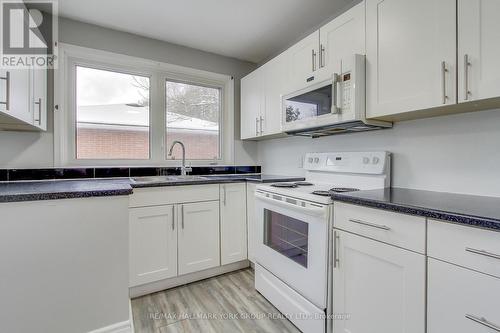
(292, 243)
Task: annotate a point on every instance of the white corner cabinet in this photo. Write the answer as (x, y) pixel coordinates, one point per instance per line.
(377, 279)
(394, 266)
(411, 67)
(178, 231)
(311, 60)
(23, 99)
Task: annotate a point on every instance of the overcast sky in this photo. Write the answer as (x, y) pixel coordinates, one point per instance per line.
(98, 87)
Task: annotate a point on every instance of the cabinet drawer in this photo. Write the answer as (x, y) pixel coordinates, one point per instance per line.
(461, 300)
(401, 230)
(156, 196)
(466, 246)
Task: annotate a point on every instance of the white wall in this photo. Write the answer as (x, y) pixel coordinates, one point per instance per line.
(35, 150)
(459, 153)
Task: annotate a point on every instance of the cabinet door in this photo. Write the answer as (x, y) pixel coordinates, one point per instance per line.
(275, 83)
(39, 98)
(251, 221)
(411, 55)
(199, 245)
(380, 286)
(15, 88)
(478, 49)
(461, 300)
(251, 105)
(153, 244)
(233, 223)
(303, 61)
(340, 39)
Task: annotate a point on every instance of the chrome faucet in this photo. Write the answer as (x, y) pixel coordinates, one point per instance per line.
(184, 169)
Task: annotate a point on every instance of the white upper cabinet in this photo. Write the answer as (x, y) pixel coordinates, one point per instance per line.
(303, 60)
(153, 244)
(198, 236)
(15, 87)
(251, 104)
(411, 55)
(261, 94)
(233, 223)
(340, 39)
(275, 83)
(478, 49)
(18, 90)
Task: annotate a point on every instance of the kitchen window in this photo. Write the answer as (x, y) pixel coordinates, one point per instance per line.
(114, 109)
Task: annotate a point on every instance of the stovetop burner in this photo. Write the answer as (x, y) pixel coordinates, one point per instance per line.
(343, 189)
(335, 190)
(285, 185)
(303, 184)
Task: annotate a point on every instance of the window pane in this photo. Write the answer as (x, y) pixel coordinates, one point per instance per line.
(193, 117)
(112, 115)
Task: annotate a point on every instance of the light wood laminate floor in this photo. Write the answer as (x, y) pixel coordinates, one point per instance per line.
(227, 303)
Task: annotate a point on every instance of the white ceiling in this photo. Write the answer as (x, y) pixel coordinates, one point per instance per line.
(249, 30)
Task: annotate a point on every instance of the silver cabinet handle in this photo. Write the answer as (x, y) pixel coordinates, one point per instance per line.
(467, 64)
(313, 54)
(483, 253)
(39, 103)
(173, 217)
(368, 224)
(321, 56)
(444, 70)
(182, 216)
(7, 90)
(483, 321)
(336, 239)
(261, 122)
(256, 126)
(335, 107)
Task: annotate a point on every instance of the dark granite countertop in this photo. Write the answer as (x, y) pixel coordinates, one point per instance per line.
(66, 189)
(470, 210)
(62, 189)
(158, 181)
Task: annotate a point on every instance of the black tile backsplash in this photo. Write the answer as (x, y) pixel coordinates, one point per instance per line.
(80, 173)
(31, 174)
(4, 175)
(74, 173)
(111, 172)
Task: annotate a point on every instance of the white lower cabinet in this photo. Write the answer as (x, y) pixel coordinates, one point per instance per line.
(380, 287)
(199, 246)
(153, 244)
(233, 223)
(461, 300)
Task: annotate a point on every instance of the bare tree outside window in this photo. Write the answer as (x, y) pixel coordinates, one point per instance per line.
(193, 114)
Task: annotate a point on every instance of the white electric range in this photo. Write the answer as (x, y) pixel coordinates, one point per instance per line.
(294, 224)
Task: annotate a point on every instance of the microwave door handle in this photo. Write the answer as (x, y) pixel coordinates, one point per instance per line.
(335, 95)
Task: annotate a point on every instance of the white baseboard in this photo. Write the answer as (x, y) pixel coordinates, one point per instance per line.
(149, 288)
(123, 327)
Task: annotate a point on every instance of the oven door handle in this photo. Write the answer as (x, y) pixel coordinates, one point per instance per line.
(307, 210)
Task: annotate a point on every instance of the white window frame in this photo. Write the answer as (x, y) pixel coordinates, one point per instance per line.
(65, 100)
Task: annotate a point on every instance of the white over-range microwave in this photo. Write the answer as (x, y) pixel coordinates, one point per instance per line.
(337, 105)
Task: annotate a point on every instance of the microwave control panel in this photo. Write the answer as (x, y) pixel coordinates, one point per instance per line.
(346, 94)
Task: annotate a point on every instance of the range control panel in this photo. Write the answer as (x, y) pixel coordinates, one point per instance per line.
(348, 162)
